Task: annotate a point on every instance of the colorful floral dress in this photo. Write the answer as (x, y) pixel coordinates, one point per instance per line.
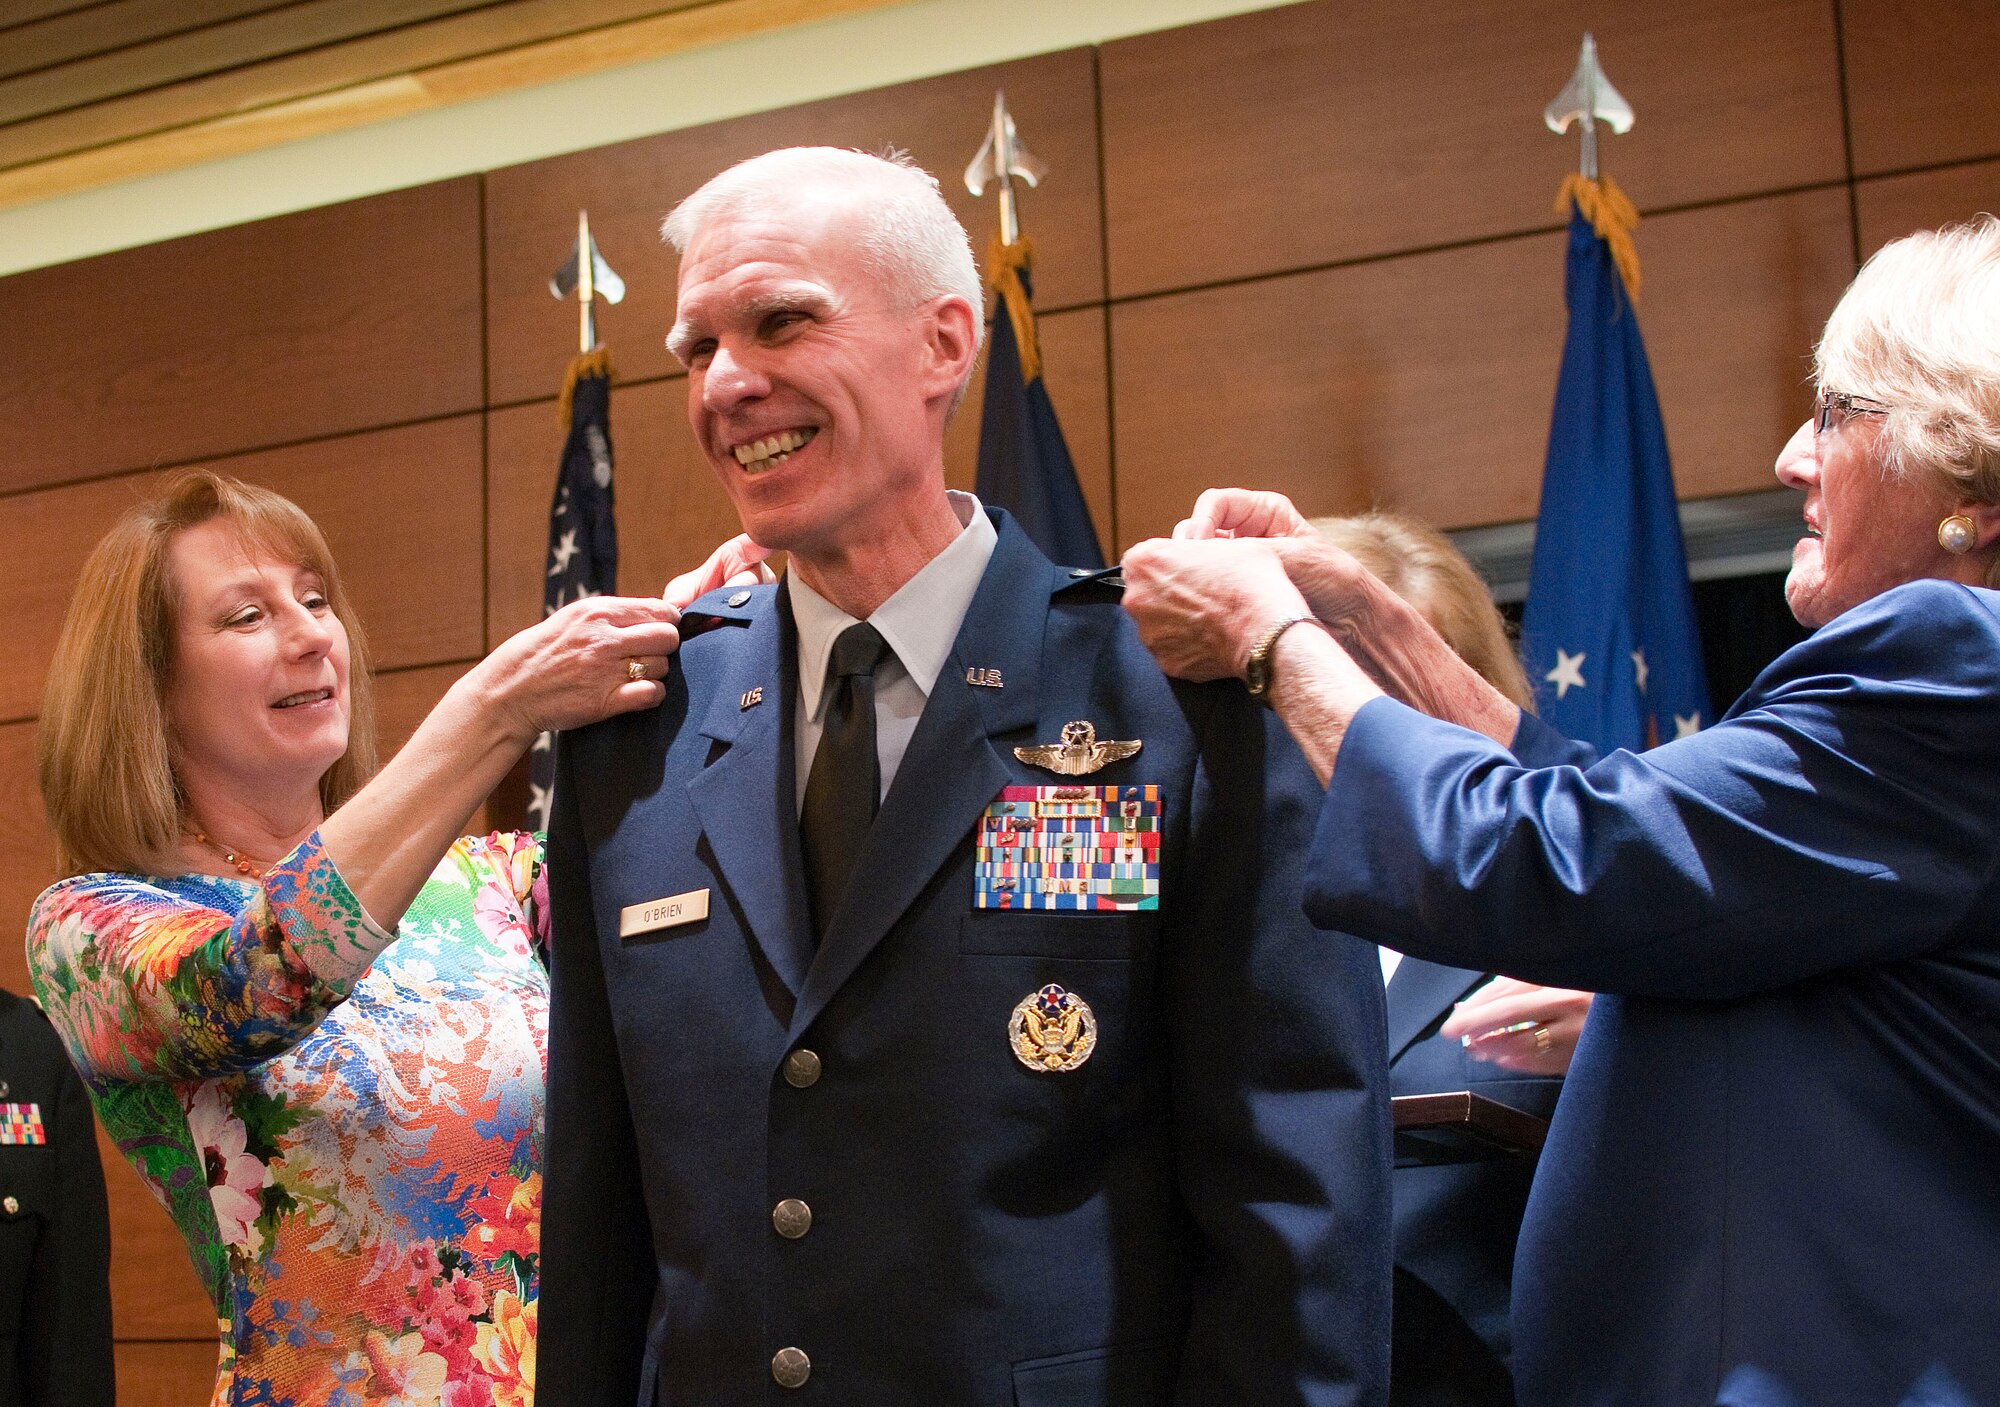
(345, 1124)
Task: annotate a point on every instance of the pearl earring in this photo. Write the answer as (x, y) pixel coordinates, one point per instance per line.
(1956, 534)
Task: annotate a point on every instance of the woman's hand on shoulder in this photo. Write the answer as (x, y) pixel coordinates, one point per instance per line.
(594, 658)
(738, 562)
(1243, 513)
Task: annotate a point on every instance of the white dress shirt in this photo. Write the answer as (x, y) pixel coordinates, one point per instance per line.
(919, 622)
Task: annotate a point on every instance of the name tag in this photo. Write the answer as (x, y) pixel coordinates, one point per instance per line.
(670, 912)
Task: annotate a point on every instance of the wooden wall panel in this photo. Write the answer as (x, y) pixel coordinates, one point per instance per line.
(1734, 299)
(1892, 206)
(27, 852)
(1923, 81)
(630, 187)
(1424, 384)
(319, 323)
(399, 508)
(1334, 130)
(154, 1291)
(165, 1374)
(671, 511)
(403, 698)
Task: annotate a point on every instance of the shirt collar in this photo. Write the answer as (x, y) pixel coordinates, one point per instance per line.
(920, 622)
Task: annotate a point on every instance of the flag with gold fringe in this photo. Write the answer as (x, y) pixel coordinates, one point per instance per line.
(1024, 465)
(1609, 631)
(583, 533)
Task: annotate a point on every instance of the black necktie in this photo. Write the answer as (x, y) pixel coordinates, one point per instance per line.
(844, 788)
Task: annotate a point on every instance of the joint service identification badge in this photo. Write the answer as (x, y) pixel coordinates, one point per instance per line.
(1090, 848)
(1052, 1031)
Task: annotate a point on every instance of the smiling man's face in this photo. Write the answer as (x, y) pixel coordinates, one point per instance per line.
(809, 392)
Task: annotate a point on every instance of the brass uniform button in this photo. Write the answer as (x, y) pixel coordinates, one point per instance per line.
(790, 1367)
(793, 1219)
(4, 1090)
(10, 1205)
(802, 1069)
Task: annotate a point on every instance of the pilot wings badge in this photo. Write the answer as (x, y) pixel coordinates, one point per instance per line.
(1052, 1031)
(1079, 753)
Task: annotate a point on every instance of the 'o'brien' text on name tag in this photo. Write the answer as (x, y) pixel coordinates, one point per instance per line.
(670, 912)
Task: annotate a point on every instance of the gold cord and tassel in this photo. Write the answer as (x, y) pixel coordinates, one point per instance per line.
(596, 362)
(1004, 265)
(1611, 215)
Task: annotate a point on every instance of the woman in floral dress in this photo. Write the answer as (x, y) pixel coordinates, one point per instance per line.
(318, 1034)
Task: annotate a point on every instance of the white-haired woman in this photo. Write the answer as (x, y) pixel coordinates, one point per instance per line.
(1771, 1180)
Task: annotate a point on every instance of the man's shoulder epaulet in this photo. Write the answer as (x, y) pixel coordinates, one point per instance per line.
(730, 606)
(1092, 584)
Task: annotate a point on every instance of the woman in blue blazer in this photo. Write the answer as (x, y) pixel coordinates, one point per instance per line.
(1772, 1181)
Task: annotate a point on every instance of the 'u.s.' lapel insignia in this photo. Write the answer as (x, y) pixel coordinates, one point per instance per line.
(1079, 753)
(983, 678)
(1052, 1031)
(751, 698)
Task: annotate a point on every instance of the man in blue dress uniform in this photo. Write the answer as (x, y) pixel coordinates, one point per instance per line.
(934, 1017)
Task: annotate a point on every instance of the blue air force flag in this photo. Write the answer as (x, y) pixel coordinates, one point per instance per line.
(583, 534)
(1024, 466)
(1609, 629)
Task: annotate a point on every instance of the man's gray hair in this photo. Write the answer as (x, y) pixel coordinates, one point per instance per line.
(1919, 331)
(908, 237)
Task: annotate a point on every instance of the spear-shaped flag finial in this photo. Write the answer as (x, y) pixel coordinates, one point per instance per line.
(583, 276)
(1589, 98)
(1001, 158)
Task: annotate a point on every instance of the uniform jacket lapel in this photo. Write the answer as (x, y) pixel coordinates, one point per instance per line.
(953, 768)
(745, 796)
(1419, 996)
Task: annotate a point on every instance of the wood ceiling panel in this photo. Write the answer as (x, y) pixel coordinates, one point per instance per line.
(1923, 81)
(629, 187)
(1424, 384)
(210, 48)
(21, 12)
(97, 29)
(319, 70)
(1892, 206)
(400, 509)
(352, 315)
(1341, 129)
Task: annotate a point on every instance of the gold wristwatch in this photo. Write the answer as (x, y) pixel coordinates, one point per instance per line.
(1257, 669)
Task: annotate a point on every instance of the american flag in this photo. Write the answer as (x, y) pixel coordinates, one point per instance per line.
(583, 533)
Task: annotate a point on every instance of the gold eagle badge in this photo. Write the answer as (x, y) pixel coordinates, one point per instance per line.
(1079, 753)
(1052, 1031)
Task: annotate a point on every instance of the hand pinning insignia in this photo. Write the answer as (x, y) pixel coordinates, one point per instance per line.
(1079, 753)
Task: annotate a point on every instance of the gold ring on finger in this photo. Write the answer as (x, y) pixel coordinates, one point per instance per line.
(1543, 1041)
(635, 670)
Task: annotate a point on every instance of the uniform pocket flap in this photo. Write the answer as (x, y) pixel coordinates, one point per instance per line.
(1127, 1375)
(1058, 933)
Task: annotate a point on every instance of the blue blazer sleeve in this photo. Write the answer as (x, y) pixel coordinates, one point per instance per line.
(1841, 813)
(1279, 1075)
(597, 1271)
